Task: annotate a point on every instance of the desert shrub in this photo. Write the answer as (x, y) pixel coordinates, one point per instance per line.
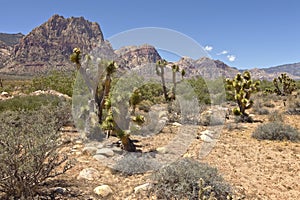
(56, 80)
(152, 92)
(200, 88)
(259, 109)
(269, 105)
(180, 180)
(11, 85)
(136, 163)
(28, 151)
(276, 116)
(293, 107)
(276, 131)
(29, 102)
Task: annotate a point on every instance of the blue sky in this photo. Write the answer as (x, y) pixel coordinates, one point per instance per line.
(241, 33)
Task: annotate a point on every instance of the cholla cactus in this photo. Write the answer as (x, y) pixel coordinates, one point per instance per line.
(243, 87)
(284, 85)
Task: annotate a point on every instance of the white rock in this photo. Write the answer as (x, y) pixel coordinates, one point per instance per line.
(4, 94)
(162, 150)
(209, 133)
(103, 190)
(89, 150)
(141, 187)
(88, 174)
(176, 124)
(106, 152)
(206, 138)
(99, 157)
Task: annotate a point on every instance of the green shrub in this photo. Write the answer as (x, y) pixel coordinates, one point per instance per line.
(56, 80)
(276, 131)
(29, 102)
(180, 180)
(200, 88)
(28, 151)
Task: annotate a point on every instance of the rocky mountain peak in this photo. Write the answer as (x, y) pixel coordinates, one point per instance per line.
(49, 45)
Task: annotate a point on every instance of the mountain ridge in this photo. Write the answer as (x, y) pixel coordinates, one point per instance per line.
(48, 46)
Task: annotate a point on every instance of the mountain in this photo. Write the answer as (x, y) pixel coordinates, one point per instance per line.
(48, 46)
(10, 39)
(206, 67)
(293, 69)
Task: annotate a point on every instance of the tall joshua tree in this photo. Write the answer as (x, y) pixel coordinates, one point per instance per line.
(102, 95)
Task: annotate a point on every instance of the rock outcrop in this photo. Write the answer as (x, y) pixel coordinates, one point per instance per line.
(138, 55)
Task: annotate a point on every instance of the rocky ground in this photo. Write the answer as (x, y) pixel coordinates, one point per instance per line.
(256, 169)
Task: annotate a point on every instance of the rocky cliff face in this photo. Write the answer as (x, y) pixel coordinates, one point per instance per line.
(49, 45)
(138, 55)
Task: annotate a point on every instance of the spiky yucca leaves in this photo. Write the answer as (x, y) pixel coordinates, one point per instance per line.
(75, 57)
(284, 85)
(242, 86)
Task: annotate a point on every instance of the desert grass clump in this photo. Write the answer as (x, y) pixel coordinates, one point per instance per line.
(189, 179)
(29, 152)
(276, 131)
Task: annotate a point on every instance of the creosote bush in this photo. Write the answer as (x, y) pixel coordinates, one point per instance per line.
(56, 80)
(189, 179)
(28, 150)
(276, 131)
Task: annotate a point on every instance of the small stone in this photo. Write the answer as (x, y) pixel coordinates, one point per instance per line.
(106, 152)
(4, 94)
(103, 190)
(208, 133)
(176, 124)
(206, 138)
(162, 150)
(88, 174)
(77, 146)
(99, 157)
(89, 150)
(78, 142)
(141, 187)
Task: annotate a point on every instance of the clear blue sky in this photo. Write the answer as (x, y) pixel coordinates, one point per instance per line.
(250, 33)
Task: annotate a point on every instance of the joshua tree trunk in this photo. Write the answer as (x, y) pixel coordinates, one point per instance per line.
(162, 75)
(102, 97)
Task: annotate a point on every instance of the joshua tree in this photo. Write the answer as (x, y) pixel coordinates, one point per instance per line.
(111, 127)
(160, 70)
(175, 69)
(284, 85)
(102, 95)
(135, 99)
(103, 99)
(243, 87)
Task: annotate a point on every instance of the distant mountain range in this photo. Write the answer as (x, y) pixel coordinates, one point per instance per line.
(48, 46)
